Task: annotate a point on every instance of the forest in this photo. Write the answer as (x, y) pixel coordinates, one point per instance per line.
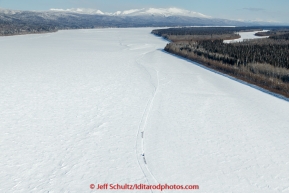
(203, 30)
(263, 62)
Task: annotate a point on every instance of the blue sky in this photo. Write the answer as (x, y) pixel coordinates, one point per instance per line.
(266, 10)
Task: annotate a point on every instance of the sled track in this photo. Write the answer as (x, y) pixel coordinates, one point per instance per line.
(140, 152)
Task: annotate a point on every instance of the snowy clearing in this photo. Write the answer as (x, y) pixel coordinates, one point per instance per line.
(79, 107)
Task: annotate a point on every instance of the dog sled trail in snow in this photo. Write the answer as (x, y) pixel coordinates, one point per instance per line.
(72, 104)
(140, 139)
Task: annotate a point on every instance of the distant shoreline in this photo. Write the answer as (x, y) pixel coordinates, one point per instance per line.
(27, 33)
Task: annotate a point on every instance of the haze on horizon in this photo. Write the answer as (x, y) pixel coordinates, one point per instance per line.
(258, 10)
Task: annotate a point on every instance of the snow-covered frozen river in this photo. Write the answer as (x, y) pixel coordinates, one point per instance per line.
(247, 36)
(79, 107)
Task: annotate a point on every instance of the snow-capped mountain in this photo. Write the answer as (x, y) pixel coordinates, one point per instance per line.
(17, 22)
(8, 11)
(80, 11)
(161, 12)
(164, 12)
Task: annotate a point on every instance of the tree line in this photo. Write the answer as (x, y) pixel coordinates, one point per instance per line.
(263, 62)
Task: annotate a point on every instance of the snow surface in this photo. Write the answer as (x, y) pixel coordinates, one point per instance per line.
(247, 36)
(74, 105)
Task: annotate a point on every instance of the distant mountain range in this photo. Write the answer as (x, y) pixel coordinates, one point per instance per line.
(21, 22)
(138, 12)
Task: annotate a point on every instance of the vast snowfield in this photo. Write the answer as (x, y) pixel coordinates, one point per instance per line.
(79, 107)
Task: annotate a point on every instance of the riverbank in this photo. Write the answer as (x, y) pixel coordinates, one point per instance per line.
(250, 61)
